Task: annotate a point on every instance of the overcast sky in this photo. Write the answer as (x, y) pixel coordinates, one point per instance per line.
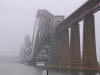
(17, 19)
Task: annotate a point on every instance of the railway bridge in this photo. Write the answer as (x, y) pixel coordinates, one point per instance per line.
(56, 39)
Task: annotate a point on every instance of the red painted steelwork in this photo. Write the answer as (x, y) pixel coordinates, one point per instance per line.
(90, 7)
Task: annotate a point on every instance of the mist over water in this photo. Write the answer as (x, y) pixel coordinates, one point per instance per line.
(18, 69)
(17, 19)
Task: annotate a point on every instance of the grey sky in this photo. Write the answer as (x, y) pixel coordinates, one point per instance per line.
(17, 19)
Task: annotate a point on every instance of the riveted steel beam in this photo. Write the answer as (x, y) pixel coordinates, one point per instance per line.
(90, 7)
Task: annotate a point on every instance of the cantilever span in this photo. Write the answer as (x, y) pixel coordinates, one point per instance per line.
(51, 38)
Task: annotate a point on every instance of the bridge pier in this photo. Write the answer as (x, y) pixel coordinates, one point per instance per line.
(75, 56)
(64, 43)
(60, 48)
(89, 59)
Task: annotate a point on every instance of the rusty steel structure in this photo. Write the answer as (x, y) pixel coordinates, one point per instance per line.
(65, 51)
(90, 7)
(43, 26)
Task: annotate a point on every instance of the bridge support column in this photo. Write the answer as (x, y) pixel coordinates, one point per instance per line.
(89, 59)
(64, 48)
(59, 53)
(75, 56)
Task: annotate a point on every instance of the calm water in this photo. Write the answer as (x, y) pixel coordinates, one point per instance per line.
(73, 72)
(20, 69)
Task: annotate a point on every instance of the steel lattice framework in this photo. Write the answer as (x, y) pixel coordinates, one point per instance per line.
(90, 7)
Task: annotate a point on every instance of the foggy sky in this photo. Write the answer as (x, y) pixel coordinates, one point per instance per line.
(17, 19)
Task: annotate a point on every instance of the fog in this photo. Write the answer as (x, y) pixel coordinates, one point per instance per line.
(17, 19)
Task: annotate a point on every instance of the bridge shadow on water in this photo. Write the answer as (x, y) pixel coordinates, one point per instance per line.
(72, 72)
(89, 73)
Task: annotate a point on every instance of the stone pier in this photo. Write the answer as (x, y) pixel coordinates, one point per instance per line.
(89, 58)
(75, 55)
(60, 49)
